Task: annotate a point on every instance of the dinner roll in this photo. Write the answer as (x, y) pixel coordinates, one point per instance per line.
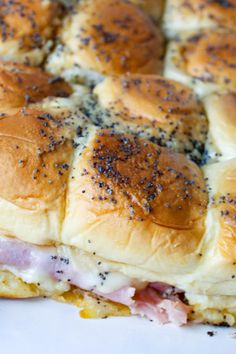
(194, 15)
(132, 202)
(205, 61)
(21, 85)
(221, 112)
(35, 157)
(26, 29)
(107, 37)
(159, 109)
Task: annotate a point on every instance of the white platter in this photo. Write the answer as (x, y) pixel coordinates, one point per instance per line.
(47, 327)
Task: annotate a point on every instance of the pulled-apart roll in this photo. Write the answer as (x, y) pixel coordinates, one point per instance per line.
(106, 37)
(26, 29)
(113, 223)
(195, 15)
(205, 61)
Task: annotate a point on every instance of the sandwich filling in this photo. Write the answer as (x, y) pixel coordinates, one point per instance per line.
(56, 269)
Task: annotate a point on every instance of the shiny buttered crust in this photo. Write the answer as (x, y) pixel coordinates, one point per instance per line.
(35, 156)
(205, 61)
(133, 202)
(21, 85)
(26, 28)
(194, 15)
(160, 109)
(110, 37)
(221, 113)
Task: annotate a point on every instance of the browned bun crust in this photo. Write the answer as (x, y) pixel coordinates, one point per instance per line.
(27, 29)
(137, 202)
(35, 153)
(30, 22)
(186, 15)
(166, 110)
(21, 85)
(211, 58)
(113, 37)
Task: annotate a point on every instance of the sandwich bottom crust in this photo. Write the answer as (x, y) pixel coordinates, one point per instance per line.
(93, 306)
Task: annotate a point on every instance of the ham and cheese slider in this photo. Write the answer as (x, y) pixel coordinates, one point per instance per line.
(103, 37)
(27, 28)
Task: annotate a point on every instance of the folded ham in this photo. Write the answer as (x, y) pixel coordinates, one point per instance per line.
(38, 264)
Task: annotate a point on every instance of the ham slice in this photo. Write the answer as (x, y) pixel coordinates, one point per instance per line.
(157, 301)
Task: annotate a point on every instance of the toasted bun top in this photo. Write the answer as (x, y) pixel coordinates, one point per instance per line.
(187, 14)
(35, 153)
(21, 85)
(112, 36)
(134, 201)
(211, 57)
(168, 107)
(222, 180)
(29, 22)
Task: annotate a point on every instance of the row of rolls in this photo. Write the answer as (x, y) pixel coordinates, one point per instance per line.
(124, 110)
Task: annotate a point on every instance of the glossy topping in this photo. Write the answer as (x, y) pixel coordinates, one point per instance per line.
(30, 22)
(21, 85)
(113, 36)
(211, 58)
(147, 181)
(35, 153)
(171, 110)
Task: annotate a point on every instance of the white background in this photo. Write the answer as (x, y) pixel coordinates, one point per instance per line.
(47, 327)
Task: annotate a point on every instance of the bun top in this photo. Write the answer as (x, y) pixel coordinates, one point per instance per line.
(211, 58)
(131, 200)
(168, 110)
(21, 85)
(221, 108)
(35, 153)
(222, 180)
(25, 25)
(182, 15)
(112, 37)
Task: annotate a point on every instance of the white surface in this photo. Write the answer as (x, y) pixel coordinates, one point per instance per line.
(47, 327)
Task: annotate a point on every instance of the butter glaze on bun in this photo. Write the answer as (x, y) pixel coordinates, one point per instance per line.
(131, 201)
(21, 85)
(163, 110)
(110, 37)
(26, 26)
(206, 61)
(153, 8)
(189, 15)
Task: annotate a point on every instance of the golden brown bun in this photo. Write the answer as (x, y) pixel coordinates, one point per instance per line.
(35, 157)
(110, 37)
(193, 15)
(222, 180)
(25, 28)
(136, 203)
(205, 61)
(34, 149)
(160, 109)
(21, 85)
(152, 7)
(221, 111)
